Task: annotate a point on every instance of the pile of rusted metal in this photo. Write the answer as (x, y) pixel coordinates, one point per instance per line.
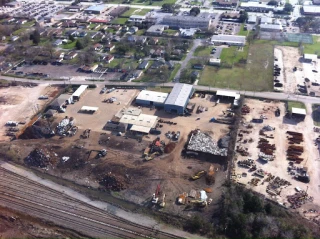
(295, 151)
(254, 181)
(265, 147)
(246, 163)
(245, 109)
(242, 151)
(295, 137)
(298, 199)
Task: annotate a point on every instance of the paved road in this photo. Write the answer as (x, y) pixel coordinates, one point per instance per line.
(266, 95)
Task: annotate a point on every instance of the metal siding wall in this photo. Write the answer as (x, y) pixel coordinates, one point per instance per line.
(142, 102)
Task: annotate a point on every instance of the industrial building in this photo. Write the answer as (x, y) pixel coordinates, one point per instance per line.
(252, 19)
(256, 7)
(98, 9)
(235, 97)
(178, 99)
(151, 98)
(310, 57)
(76, 95)
(298, 113)
(61, 101)
(156, 30)
(202, 21)
(142, 123)
(229, 40)
(270, 28)
(311, 10)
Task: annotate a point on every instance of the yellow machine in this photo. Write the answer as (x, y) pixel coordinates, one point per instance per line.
(198, 175)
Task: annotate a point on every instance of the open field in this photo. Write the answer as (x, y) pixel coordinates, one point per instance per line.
(316, 114)
(135, 11)
(243, 32)
(20, 103)
(234, 54)
(312, 48)
(70, 45)
(250, 134)
(256, 75)
(202, 51)
(120, 20)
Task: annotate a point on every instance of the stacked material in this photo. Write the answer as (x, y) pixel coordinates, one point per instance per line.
(201, 142)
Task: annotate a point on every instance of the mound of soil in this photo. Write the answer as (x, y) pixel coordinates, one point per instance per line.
(169, 147)
(113, 182)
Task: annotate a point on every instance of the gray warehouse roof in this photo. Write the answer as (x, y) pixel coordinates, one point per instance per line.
(96, 8)
(270, 27)
(179, 94)
(229, 38)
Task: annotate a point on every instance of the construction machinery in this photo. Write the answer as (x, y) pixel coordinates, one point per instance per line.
(155, 196)
(182, 198)
(198, 175)
(146, 151)
(152, 156)
(199, 203)
(163, 203)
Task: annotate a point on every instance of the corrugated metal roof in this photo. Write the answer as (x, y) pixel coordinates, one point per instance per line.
(89, 108)
(139, 128)
(299, 111)
(179, 94)
(228, 93)
(96, 8)
(80, 90)
(228, 38)
(141, 120)
(152, 96)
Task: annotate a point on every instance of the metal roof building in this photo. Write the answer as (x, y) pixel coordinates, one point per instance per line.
(311, 10)
(229, 40)
(140, 123)
(178, 99)
(98, 9)
(76, 95)
(147, 97)
(270, 28)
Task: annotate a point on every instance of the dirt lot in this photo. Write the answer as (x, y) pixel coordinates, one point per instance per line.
(71, 157)
(63, 72)
(92, 97)
(278, 138)
(20, 103)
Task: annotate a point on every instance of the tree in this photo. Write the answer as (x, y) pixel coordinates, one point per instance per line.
(35, 37)
(273, 3)
(167, 7)
(79, 45)
(243, 16)
(103, 31)
(194, 11)
(71, 38)
(288, 7)
(166, 56)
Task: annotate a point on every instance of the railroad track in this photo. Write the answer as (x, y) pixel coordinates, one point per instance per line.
(36, 199)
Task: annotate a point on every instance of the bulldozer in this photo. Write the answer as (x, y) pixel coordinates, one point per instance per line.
(198, 175)
(152, 156)
(199, 203)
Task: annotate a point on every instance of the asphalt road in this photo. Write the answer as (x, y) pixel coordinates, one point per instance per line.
(266, 95)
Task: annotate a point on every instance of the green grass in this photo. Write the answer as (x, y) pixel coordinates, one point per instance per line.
(140, 32)
(256, 75)
(129, 12)
(170, 32)
(202, 51)
(126, 63)
(19, 31)
(277, 43)
(29, 24)
(120, 20)
(174, 71)
(316, 115)
(295, 104)
(243, 32)
(232, 54)
(313, 48)
(70, 45)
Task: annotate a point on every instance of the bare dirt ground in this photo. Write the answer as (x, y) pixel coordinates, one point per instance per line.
(16, 225)
(137, 177)
(278, 167)
(19, 103)
(290, 58)
(106, 111)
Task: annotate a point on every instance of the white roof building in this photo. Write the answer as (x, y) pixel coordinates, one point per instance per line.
(179, 94)
(89, 108)
(152, 96)
(299, 111)
(311, 57)
(229, 40)
(148, 121)
(79, 91)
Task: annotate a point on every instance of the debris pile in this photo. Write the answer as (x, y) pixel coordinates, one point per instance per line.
(268, 128)
(112, 182)
(40, 158)
(201, 142)
(169, 147)
(249, 163)
(245, 109)
(275, 184)
(64, 126)
(210, 179)
(167, 122)
(298, 199)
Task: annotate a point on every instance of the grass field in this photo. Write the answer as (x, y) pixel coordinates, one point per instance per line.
(70, 45)
(135, 11)
(316, 115)
(313, 48)
(174, 72)
(126, 63)
(295, 104)
(256, 75)
(243, 32)
(233, 55)
(120, 20)
(279, 43)
(202, 51)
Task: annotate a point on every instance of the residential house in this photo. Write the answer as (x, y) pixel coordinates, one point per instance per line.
(22, 21)
(72, 33)
(97, 47)
(157, 64)
(156, 30)
(14, 38)
(133, 29)
(109, 47)
(195, 74)
(59, 54)
(170, 64)
(141, 40)
(153, 41)
(109, 58)
(137, 73)
(58, 42)
(69, 24)
(71, 55)
(83, 34)
(157, 52)
(143, 65)
(116, 39)
(132, 38)
(125, 29)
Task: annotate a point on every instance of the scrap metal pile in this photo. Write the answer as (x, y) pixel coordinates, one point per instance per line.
(295, 151)
(249, 163)
(266, 150)
(298, 199)
(113, 182)
(245, 109)
(201, 142)
(64, 126)
(41, 158)
(275, 185)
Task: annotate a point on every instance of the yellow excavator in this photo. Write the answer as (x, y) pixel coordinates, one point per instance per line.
(198, 175)
(152, 156)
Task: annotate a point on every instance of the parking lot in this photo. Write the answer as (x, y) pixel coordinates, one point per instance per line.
(251, 137)
(106, 111)
(228, 28)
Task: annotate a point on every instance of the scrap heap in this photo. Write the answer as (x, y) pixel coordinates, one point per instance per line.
(41, 158)
(113, 182)
(201, 142)
(245, 109)
(64, 126)
(294, 151)
(298, 199)
(275, 185)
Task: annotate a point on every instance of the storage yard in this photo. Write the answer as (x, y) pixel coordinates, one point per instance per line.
(277, 155)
